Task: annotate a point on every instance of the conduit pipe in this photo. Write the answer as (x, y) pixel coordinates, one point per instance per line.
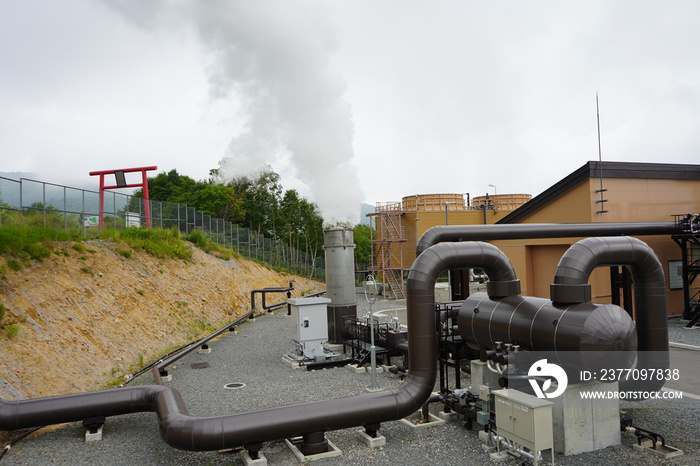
(272, 289)
(453, 233)
(571, 286)
(180, 430)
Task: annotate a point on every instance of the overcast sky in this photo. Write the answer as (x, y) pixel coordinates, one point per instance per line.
(349, 100)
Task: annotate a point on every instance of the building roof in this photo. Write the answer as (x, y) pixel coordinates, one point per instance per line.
(592, 169)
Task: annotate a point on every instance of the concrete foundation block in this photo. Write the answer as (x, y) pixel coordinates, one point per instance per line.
(662, 452)
(372, 442)
(93, 436)
(585, 424)
(357, 370)
(247, 460)
(500, 456)
(332, 451)
(415, 421)
(482, 375)
(448, 417)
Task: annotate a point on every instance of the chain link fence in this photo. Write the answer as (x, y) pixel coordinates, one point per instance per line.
(31, 202)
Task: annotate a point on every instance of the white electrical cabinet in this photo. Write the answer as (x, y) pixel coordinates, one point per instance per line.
(311, 316)
(524, 419)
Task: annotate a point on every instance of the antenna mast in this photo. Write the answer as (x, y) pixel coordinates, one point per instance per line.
(600, 191)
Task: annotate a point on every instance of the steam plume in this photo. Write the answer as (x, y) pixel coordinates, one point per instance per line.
(276, 56)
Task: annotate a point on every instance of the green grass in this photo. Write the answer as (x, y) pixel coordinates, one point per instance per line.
(22, 244)
(14, 264)
(26, 243)
(9, 329)
(164, 244)
(203, 242)
(126, 253)
(80, 247)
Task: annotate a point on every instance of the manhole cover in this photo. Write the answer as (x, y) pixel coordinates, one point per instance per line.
(200, 365)
(235, 385)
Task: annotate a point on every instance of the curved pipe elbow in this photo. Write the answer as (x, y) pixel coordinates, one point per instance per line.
(582, 258)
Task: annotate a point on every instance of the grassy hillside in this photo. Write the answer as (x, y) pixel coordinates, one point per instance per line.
(76, 314)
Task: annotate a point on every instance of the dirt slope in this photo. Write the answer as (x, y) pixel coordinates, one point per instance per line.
(88, 317)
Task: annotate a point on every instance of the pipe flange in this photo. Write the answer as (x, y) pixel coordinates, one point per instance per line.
(503, 288)
(570, 293)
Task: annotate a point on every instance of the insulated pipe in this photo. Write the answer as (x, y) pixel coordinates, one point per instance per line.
(451, 233)
(180, 430)
(537, 324)
(571, 284)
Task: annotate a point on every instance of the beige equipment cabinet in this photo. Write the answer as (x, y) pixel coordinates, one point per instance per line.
(525, 420)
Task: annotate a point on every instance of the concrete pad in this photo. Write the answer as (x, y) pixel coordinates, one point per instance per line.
(247, 460)
(500, 456)
(357, 370)
(584, 424)
(372, 442)
(412, 421)
(332, 451)
(448, 417)
(93, 437)
(481, 375)
(293, 361)
(660, 452)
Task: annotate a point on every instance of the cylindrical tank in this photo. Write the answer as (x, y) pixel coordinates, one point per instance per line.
(536, 324)
(502, 202)
(433, 202)
(340, 279)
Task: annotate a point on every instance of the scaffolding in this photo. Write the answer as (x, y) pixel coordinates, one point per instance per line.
(689, 241)
(387, 254)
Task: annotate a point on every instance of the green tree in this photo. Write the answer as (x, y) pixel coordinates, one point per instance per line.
(260, 198)
(363, 246)
(259, 203)
(209, 197)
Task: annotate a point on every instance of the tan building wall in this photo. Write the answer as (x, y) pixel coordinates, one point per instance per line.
(628, 200)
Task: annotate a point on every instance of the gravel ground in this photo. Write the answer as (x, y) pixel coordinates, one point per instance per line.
(253, 357)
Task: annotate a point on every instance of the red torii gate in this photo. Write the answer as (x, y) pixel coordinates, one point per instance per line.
(121, 183)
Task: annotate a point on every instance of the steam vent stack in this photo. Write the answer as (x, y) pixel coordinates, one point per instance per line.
(340, 279)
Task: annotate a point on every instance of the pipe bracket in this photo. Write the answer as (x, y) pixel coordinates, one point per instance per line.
(503, 288)
(570, 293)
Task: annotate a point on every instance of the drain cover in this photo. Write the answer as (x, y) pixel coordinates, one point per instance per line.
(200, 365)
(235, 385)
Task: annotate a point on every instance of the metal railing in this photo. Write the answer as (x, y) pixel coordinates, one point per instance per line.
(31, 202)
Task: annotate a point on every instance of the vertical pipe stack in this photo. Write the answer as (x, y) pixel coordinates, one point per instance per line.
(340, 279)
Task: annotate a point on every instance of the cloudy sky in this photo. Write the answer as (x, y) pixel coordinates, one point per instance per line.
(349, 100)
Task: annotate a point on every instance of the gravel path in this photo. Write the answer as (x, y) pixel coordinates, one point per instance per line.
(253, 357)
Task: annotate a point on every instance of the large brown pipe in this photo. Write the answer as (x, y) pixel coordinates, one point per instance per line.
(451, 233)
(180, 430)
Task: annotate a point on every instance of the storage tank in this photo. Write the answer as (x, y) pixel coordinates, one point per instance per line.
(502, 202)
(340, 279)
(433, 202)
